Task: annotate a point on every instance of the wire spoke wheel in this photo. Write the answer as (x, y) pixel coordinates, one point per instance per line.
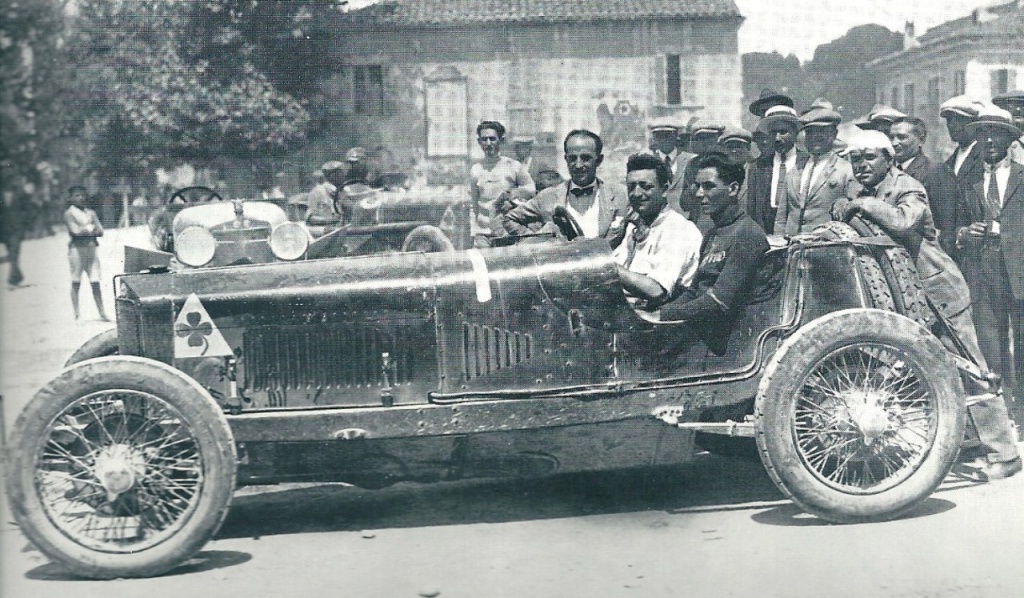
(859, 415)
(119, 471)
(121, 467)
(864, 419)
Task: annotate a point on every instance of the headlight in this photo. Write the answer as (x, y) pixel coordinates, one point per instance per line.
(195, 246)
(289, 241)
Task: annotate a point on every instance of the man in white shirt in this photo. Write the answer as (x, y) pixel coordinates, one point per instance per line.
(766, 177)
(660, 249)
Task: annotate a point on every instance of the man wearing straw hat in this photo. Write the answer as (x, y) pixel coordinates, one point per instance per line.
(766, 186)
(992, 242)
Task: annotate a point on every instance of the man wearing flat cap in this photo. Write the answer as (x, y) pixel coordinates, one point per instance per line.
(812, 190)
(897, 203)
(992, 242)
(881, 118)
(766, 182)
(966, 160)
(1013, 102)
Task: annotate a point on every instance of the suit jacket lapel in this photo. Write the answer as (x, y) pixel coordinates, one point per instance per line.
(826, 174)
(1014, 186)
(604, 213)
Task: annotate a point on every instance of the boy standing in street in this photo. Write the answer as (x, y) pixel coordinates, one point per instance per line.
(84, 228)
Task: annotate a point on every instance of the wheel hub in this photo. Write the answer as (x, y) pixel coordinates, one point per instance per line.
(868, 414)
(118, 467)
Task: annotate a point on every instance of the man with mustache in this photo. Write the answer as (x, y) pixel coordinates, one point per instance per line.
(897, 203)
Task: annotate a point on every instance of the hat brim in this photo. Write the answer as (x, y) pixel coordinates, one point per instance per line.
(760, 105)
(973, 128)
(786, 118)
(819, 123)
(873, 125)
(954, 111)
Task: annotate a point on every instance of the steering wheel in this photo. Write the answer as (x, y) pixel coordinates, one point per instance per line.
(194, 195)
(566, 223)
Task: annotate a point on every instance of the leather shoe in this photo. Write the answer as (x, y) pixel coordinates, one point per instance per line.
(1002, 469)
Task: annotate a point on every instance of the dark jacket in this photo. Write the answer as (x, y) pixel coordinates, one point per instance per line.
(758, 188)
(1011, 225)
(535, 214)
(943, 196)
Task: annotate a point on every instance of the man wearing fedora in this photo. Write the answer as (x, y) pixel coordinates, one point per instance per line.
(812, 190)
(966, 160)
(766, 183)
(897, 203)
(907, 135)
(881, 118)
(991, 239)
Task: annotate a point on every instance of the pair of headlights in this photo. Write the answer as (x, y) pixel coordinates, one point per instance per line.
(195, 246)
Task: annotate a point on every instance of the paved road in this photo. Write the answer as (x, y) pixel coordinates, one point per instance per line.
(713, 528)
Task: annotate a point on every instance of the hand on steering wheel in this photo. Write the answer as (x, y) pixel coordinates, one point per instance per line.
(566, 223)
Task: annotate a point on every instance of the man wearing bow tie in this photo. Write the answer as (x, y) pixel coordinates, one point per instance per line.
(596, 206)
(660, 247)
(897, 203)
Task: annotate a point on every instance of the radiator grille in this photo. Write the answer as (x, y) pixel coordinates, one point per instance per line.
(487, 349)
(327, 357)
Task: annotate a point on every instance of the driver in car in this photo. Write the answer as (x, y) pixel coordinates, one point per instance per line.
(660, 247)
(898, 204)
(732, 252)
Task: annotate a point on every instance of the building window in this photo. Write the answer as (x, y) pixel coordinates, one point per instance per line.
(1002, 80)
(673, 80)
(908, 99)
(368, 90)
(447, 110)
(959, 83)
(934, 94)
(680, 81)
(894, 99)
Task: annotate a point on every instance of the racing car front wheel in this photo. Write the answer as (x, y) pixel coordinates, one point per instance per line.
(120, 467)
(859, 416)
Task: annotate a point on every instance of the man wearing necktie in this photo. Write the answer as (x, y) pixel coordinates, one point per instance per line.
(966, 160)
(812, 190)
(766, 177)
(897, 203)
(597, 207)
(992, 237)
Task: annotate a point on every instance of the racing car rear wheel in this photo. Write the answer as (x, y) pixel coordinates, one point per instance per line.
(102, 345)
(120, 467)
(859, 416)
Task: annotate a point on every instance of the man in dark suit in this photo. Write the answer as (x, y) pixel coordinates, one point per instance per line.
(598, 207)
(966, 159)
(907, 135)
(766, 177)
(992, 242)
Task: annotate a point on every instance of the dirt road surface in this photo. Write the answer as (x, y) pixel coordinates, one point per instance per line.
(713, 528)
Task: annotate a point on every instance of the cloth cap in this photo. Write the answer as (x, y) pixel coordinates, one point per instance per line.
(869, 139)
(355, 154)
(332, 165)
(883, 112)
(731, 132)
(705, 127)
(523, 139)
(993, 117)
(819, 104)
(767, 99)
(663, 123)
(820, 117)
(962, 105)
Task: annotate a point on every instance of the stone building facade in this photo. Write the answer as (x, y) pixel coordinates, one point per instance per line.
(416, 76)
(981, 55)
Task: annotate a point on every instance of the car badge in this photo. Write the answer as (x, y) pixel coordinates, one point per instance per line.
(195, 333)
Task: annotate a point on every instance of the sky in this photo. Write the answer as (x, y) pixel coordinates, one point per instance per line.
(799, 26)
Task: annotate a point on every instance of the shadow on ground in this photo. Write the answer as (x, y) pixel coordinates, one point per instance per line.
(206, 560)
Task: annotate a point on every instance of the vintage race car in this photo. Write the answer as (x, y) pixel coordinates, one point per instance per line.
(515, 361)
(197, 228)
